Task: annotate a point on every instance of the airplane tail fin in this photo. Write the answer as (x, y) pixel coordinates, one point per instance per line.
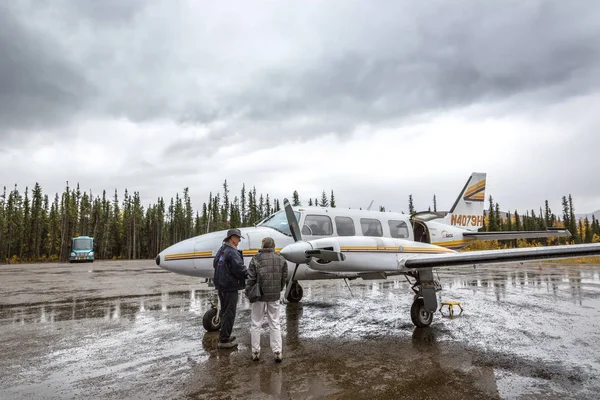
(467, 211)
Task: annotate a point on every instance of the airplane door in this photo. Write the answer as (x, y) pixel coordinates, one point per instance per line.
(421, 231)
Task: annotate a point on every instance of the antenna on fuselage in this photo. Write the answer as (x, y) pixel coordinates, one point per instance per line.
(369, 208)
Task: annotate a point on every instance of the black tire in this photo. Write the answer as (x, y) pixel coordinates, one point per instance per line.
(211, 321)
(296, 293)
(419, 315)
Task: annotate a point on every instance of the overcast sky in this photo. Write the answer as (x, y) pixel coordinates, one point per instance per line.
(374, 100)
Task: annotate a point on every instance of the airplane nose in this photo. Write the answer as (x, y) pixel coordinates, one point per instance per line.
(296, 252)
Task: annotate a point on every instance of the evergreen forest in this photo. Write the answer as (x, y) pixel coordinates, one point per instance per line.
(37, 228)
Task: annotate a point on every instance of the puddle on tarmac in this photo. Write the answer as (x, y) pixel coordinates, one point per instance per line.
(525, 332)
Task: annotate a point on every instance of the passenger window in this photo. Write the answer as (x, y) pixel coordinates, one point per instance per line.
(320, 225)
(371, 227)
(344, 226)
(398, 229)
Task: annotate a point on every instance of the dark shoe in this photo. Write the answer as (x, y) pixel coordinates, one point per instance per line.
(255, 356)
(277, 356)
(227, 345)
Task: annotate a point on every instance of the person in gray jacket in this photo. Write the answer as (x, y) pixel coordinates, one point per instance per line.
(270, 270)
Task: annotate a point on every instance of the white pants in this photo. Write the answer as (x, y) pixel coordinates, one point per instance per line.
(258, 313)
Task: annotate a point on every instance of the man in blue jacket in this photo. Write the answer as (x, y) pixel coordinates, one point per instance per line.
(230, 275)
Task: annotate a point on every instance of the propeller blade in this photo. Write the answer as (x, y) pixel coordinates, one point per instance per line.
(326, 255)
(288, 286)
(292, 221)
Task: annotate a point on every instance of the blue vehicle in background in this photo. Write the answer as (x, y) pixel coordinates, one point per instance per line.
(82, 249)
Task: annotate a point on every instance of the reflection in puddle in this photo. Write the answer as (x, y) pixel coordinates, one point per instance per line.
(108, 309)
(559, 281)
(549, 278)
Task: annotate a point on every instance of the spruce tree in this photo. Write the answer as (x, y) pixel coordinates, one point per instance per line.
(188, 230)
(547, 214)
(324, 201)
(25, 228)
(2, 225)
(573, 221)
(566, 214)
(296, 199)
(498, 218)
(518, 226)
(492, 224)
(588, 235)
(37, 222)
(243, 213)
(225, 208)
(268, 208)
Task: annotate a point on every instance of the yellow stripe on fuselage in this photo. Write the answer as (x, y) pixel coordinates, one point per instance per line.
(185, 256)
(207, 254)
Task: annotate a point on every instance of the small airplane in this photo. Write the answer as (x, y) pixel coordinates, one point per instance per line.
(426, 232)
(379, 257)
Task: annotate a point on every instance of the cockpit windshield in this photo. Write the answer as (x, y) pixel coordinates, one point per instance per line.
(279, 222)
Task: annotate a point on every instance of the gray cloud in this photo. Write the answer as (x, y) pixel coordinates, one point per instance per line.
(344, 65)
(257, 75)
(470, 61)
(38, 89)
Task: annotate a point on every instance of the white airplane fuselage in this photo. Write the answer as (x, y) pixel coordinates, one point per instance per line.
(358, 231)
(376, 229)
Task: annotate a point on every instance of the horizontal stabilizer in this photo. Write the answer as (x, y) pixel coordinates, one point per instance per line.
(517, 234)
(501, 256)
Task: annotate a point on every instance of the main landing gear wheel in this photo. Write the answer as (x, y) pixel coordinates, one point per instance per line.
(419, 315)
(296, 293)
(211, 321)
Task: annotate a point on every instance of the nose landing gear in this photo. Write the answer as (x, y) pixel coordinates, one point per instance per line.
(296, 293)
(211, 320)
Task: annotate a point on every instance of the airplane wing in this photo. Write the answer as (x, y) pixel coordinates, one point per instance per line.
(517, 234)
(502, 256)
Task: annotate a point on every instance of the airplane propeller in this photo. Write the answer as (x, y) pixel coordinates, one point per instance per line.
(292, 222)
(301, 252)
(297, 235)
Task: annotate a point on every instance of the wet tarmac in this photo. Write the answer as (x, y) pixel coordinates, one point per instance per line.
(130, 330)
